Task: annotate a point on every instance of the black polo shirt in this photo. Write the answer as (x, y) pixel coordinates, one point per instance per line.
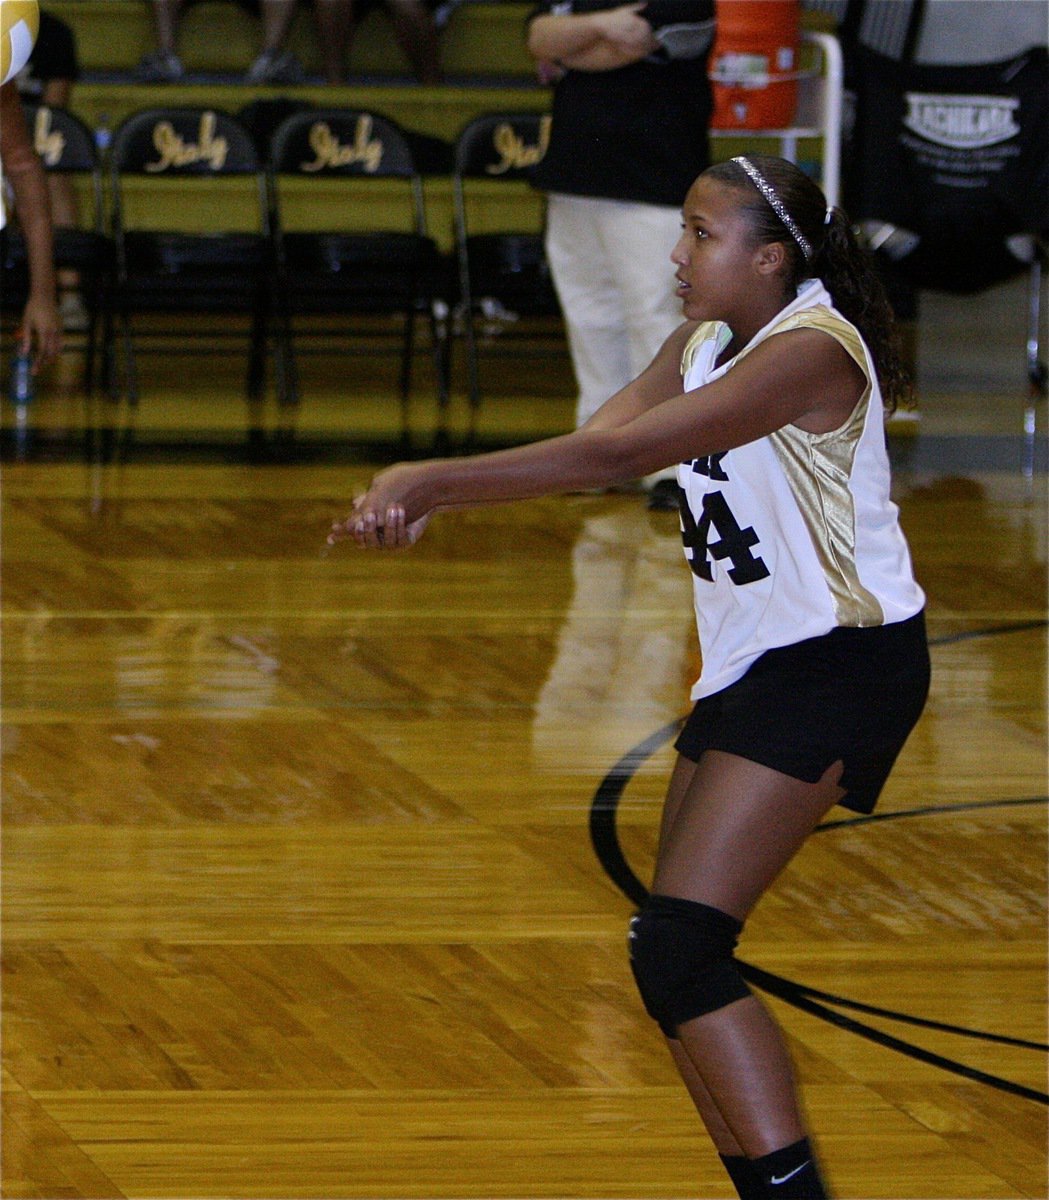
(637, 133)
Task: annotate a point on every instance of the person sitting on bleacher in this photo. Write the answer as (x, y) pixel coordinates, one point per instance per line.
(274, 64)
(415, 24)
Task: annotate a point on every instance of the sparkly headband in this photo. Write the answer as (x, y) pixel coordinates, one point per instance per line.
(776, 204)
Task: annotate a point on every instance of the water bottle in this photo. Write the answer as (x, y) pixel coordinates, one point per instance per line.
(22, 387)
(103, 136)
(21, 392)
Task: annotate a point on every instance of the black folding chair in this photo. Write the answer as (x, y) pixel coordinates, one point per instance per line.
(1037, 371)
(352, 243)
(499, 243)
(192, 237)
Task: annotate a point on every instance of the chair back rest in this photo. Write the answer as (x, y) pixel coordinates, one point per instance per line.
(62, 140)
(184, 141)
(341, 142)
(185, 168)
(365, 159)
(502, 146)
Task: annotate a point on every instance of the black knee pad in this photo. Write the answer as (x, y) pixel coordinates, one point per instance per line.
(681, 956)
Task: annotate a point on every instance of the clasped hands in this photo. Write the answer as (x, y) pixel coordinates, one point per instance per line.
(379, 520)
(627, 28)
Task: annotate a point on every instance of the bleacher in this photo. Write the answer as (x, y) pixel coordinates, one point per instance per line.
(482, 39)
(482, 48)
(487, 68)
(482, 51)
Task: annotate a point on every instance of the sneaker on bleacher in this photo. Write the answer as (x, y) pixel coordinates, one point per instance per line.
(74, 314)
(273, 66)
(904, 420)
(160, 67)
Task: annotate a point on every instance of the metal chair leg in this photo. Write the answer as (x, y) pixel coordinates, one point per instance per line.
(1037, 372)
(130, 365)
(440, 335)
(473, 383)
(407, 354)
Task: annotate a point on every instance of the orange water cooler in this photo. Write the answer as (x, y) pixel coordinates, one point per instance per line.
(754, 63)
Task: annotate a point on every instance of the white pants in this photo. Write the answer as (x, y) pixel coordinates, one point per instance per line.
(610, 262)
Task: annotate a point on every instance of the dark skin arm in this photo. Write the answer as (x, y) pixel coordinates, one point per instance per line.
(803, 377)
(599, 41)
(659, 381)
(41, 329)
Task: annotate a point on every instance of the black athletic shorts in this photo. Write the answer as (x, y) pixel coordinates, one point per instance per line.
(851, 694)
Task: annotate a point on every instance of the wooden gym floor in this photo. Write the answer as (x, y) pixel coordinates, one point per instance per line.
(300, 892)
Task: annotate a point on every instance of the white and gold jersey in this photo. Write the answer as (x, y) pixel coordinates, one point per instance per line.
(792, 534)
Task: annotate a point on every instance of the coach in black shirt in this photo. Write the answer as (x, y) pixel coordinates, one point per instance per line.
(631, 109)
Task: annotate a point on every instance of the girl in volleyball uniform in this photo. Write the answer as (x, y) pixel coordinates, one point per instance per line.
(768, 400)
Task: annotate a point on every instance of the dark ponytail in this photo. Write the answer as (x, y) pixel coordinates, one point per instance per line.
(848, 272)
(838, 260)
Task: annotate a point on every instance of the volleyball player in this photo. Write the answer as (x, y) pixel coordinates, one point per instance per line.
(770, 400)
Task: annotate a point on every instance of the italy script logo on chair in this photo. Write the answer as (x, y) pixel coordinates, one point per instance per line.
(330, 152)
(48, 142)
(176, 151)
(515, 154)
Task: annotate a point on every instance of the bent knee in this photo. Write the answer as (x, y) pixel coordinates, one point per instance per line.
(681, 954)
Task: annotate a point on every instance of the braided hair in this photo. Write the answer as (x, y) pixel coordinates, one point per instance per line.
(837, 258)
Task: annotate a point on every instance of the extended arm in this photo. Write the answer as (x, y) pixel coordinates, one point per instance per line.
(802, 377)
(23, 169)
(658, 382)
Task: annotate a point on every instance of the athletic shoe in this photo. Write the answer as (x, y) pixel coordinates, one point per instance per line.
(905, 421)
(663, 496)
(442, 14)
(74, 314)
(274, 66)
(161, 67)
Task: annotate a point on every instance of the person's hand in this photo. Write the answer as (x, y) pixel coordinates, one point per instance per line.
(627, 28)
(379, 518)
(548, 72)
(375, 529)
(40, 332)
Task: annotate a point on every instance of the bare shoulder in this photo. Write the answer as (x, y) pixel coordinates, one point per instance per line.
(680, 337)
(817, 369)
